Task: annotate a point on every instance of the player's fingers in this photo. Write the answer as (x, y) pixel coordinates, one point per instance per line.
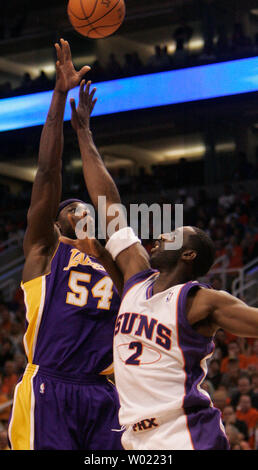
(81, 92)
(83, 71)
(58, 51)
(92, 93)
(61, 51)
(67, 51)
(93, 104)
(73, 105)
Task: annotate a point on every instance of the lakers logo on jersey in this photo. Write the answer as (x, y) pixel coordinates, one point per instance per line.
(78, 258)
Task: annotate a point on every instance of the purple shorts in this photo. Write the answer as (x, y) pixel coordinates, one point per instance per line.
(56, 412)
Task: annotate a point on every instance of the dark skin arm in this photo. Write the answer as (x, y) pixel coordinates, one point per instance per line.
(208, 310)
(41, 237)
(100, 183)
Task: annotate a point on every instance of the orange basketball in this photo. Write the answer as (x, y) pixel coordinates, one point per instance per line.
(96, 18)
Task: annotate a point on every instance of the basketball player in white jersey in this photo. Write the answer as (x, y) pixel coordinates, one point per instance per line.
(165, 326)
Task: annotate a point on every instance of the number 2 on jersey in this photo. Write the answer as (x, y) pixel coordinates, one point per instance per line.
(80, 293)
(133, 359)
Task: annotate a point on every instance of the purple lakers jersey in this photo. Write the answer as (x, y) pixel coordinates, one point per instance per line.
(70, 315)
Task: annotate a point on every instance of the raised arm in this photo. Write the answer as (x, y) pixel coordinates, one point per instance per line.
(41, 235)
(219, 309)
(100, 183)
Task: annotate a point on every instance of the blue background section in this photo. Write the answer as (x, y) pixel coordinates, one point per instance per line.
(141, 92)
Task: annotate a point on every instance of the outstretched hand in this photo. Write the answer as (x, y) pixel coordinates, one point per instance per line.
(81, 115)
(66, 75)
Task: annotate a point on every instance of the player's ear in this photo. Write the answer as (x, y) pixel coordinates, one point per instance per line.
(188, 255)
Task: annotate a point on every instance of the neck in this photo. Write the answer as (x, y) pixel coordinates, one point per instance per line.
(168, 279)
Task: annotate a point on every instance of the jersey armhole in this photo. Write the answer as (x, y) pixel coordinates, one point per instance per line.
(182, 317)
(137, 279)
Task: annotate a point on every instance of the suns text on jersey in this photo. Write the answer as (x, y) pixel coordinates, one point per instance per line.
(140, 325)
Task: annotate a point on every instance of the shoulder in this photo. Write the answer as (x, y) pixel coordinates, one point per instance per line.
(138, 279)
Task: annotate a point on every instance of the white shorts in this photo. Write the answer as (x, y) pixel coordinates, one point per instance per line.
(200, 429)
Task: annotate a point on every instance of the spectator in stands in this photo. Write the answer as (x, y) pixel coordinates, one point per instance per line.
(181, 54)
(5, 318)
(254, 388)
(252, 358)
(214, 375)
(166, 58)
(16, 335)
(220, 342)
(158, 61)
(42, 82)
(20, 363)
(6, 352)
(9, 378)
(129, 65)
(235, 253)
(208, 387)
(220, 399)
(243, 388)
(233, 436)
(5, 413)
(3, 441)
(26, 85)
(248, 246)
(245, 412)
(229, 379)
(229, 417)
(183, 32)
(233, 353)
(227, 199)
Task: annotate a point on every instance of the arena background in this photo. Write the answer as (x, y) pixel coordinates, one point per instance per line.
(199, 152)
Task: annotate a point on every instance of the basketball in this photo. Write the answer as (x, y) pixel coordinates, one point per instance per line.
(96, 18)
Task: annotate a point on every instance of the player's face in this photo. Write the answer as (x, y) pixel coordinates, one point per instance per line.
(70, 216)
(163, 257)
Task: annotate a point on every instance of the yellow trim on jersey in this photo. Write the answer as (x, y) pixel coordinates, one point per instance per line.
(21, 427)
(34, 298)
(109, 370)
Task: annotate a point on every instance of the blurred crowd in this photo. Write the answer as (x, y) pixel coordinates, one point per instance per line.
(226, 47)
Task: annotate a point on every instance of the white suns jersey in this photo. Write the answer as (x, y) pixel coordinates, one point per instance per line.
(159, 359)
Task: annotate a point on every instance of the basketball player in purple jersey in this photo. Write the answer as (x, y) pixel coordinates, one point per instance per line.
(64, 400)
(165, 326)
